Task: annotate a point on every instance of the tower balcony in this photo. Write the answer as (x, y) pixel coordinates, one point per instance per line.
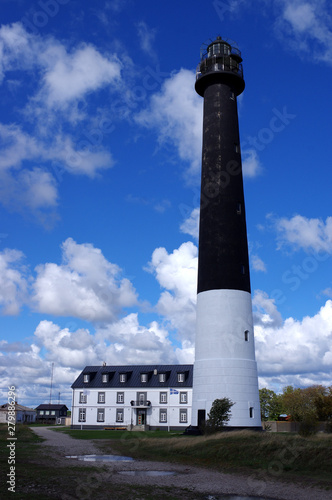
(220, 63)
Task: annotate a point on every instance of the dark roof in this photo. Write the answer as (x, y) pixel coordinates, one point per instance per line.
(134, 376)
(51, 407)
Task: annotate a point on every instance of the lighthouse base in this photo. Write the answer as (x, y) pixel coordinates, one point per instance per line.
(225, 365)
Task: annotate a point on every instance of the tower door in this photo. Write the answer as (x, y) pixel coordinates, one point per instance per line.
(200, 418)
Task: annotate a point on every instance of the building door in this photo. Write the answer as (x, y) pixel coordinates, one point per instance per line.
(141, 417)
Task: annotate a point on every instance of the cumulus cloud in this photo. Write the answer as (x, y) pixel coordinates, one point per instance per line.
(35, 154)
(250, 163)
(294, 351)
(176, 113)
(85, 285)
(306, 26)
(66, 75)
(177, 275)
(13, 281)
(308, 234)
(191, 224)
(257, 264)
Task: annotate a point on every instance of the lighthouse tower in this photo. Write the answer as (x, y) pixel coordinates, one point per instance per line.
(225, 363)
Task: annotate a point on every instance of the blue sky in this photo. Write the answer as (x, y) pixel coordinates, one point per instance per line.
(100, 145)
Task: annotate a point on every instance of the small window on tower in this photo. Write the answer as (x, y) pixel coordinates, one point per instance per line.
(251, 412)
(243, 269)
(246, 335)
(232, 96)
(238, 208)
(237, 148)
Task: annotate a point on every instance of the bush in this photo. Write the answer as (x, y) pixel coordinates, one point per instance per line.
(308, 426)
(219, 415)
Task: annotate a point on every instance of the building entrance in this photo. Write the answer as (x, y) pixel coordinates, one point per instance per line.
(141, 417)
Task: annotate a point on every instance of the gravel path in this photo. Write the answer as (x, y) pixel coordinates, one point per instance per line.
(193, 478)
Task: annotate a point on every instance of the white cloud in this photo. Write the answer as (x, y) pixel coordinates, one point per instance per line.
(176, 113)
(65, 75)
(265, 310)
(251, 164)
(13, 282)
(308, 234)
(294, 351)
(85, 285)
(146, 37)
(69, 76)
(257, 264)
(306, 26)
(191, 224)
(177, 274)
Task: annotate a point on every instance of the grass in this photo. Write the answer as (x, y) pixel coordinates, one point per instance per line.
(285, 457)
(39, 477)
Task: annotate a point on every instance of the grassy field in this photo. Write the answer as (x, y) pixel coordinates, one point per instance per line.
(285, 457)
(278, 455)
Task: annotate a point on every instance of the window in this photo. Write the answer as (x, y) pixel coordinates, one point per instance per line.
(246, 335)
(180, 377)
(123, 377)
(86, 378)
(183, 397)
(163, 397)
(82, 415)
(238, 208)
(104, 378)
(236, 148)
(162, 377)
(53, 412)
(119, 415)
(183, 416)
(101, 397)
(243, 269)
(41, 412)
(120, 397)
(82, 397)
(232, 96)
(47, 412)
(163, 416)
(144, 377)
(100, 415)
(251, 412)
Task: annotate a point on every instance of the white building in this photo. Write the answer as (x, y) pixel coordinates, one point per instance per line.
(148, 396)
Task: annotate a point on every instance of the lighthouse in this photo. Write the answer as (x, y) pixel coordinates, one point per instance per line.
(225, 364)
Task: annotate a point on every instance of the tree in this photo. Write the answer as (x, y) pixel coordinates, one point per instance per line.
(271, 404)
(301, 405)
(219, 415)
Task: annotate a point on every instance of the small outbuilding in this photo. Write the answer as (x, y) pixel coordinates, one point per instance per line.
(50, 413)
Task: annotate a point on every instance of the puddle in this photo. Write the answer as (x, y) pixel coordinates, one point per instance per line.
(237, 497)
(101, 458)
(147, 472)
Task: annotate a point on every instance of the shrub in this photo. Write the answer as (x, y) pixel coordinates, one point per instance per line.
(219, 415)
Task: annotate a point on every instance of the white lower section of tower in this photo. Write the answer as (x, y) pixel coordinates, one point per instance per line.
(225, 363)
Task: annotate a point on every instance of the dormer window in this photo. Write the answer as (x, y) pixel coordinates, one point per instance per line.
(162, 377)
(180, 377)
(144, 377)
(86, 378)
(123, 377)
(104, 378)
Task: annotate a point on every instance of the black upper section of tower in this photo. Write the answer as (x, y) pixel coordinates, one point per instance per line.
(223, 261)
